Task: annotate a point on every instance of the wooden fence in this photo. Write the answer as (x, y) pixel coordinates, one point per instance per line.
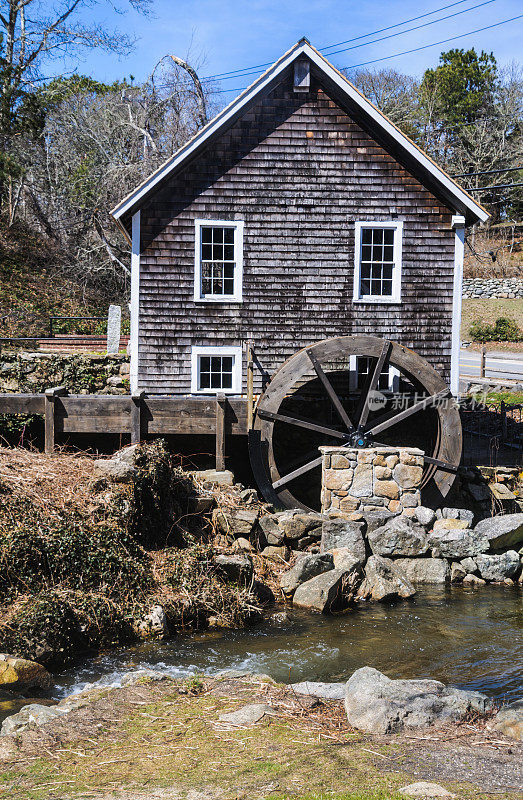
(136, 415)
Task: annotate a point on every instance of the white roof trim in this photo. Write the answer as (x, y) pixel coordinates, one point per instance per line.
(302, 48)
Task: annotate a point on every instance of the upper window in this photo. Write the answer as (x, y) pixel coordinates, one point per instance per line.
(218, 261)
(377, 276)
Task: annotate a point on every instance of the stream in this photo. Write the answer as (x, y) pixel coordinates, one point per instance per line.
(471, 638)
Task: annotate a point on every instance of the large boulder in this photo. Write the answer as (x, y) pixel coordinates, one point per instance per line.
(398, 537)
(457, 572)
(21, 675)
(425, 570)
(272, 532)
(457, 543)
(297, 524)
(235, 522)
(425, 516)
(377, 518)
(153, 624)
(450, 523)
(237, 568)
(498, 567)
(384, 581)
(113, 470)
(376, 704)
(292, 526)
(464, 514)
(344, 558)
(323, 593)
(31, 716)
(327, 691)
(306, 567)
(214, 477)
(340, 533)
(503, 531)
(509, 720)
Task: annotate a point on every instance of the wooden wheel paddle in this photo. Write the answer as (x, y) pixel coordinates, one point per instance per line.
(351, 409)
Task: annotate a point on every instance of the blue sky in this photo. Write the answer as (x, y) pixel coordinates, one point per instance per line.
(223, 35)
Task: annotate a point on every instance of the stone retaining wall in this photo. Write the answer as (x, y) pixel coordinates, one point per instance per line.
(81, 373)
(363, 480)
(492, 288)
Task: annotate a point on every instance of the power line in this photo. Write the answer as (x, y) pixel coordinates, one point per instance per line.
(396, 55)
(243, 72)
(409, 30)
(390, 27)
(434, 44)
(487, 172)
(498, 186)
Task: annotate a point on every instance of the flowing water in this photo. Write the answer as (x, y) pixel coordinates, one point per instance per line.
(471, 638)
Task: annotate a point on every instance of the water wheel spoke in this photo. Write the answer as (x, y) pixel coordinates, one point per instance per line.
(437, 462)
(297, 472)
(441, 464)
(335, 400)
(421, 405)
(301, 423)
(372, 383)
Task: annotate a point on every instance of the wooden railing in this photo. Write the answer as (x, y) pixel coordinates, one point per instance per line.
(137, 415)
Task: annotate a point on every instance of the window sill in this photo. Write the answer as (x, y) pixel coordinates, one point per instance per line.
(226, 300)
(214, 392)
(378, 300)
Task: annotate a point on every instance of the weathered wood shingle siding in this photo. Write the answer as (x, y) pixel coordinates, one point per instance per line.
(299, 172)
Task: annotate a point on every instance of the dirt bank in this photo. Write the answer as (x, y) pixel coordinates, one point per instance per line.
(164, 739)
(88, 562)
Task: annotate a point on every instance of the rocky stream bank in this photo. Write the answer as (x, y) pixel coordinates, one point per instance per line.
(245, 736)
(99, 552)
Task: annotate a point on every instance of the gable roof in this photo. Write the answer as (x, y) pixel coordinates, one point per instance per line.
(418, 162)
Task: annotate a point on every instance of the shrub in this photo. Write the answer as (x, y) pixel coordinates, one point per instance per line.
(503, 330)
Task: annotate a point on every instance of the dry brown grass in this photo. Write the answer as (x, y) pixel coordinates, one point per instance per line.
(48, 482)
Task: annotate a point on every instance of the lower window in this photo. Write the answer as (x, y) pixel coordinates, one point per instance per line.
(216, 369)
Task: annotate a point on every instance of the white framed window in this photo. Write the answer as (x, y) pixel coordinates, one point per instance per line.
(359, 373)
(218, 261)
(216, 369)
(377, 262)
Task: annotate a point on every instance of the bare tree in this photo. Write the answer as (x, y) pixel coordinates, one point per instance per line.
(392, 92)
(97, 143)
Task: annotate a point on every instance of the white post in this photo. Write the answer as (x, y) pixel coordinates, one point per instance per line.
(135, 301)
(114, 322)
(458, 225)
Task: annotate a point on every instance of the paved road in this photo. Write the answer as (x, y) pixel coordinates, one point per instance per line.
(497, 365)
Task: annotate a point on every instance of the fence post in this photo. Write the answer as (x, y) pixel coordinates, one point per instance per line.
(482, 362)
(504, 430)
(136, 417)
(250, 386)
(50, 416)
(220, 432)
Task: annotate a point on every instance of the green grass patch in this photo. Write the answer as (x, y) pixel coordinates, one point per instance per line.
(486, 312)
(174, 744)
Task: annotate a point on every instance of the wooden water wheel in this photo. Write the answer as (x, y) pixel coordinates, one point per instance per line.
(354, 391)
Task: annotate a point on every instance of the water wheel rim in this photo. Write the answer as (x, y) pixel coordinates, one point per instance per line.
(448, 444)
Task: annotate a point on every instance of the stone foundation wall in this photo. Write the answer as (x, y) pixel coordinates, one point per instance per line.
(80, 373)
(487, 288)
(363, 480)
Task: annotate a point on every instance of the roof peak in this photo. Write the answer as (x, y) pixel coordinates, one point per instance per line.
(456, 197)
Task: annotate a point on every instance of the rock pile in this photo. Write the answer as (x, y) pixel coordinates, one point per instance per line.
(492, 288)
(336, 559)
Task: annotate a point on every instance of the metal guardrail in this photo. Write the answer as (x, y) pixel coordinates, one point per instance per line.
(52, 320)
(493, 434)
